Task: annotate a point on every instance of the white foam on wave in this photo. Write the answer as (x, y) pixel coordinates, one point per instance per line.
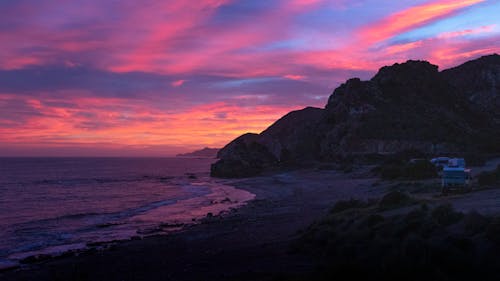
(160, 217)
(50, 251)
(221, 198)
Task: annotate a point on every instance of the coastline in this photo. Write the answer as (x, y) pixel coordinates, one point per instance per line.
(163, 219)
(261, 229)
(251, 242)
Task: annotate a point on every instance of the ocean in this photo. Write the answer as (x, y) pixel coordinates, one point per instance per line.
(53, 205)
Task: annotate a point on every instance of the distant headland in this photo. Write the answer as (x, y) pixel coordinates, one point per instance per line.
(206, 152)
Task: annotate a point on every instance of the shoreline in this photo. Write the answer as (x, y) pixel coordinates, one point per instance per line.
(265, 224)
(162, 220)
(243, 244)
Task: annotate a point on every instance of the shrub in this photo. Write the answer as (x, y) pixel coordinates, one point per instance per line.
(445, 214)
(420, 170)
(394, 199)
(493, 230)
(474, 159)
(419, 244)
(372, 220)
(486, 178)
(390, 172)
(475, 223)
(402, 170)
(406, 155)
(343, 205)
(489, 178)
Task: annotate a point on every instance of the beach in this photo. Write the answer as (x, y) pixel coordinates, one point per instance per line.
(248, 243)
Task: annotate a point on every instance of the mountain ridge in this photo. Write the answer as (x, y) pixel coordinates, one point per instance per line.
(405, 106)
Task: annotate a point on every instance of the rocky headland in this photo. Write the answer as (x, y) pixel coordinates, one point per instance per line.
(206, 152)
(407, 106)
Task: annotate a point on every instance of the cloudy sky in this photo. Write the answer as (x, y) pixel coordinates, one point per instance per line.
(157, 77)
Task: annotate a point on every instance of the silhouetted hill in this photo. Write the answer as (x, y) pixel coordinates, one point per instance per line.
(479, 81)
(408, 106)
(204, 153)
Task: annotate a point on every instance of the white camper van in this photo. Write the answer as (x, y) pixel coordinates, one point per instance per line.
(458, 177)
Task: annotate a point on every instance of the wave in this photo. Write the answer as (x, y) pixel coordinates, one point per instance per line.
(77, 181)
(39, 234)
(98, 216)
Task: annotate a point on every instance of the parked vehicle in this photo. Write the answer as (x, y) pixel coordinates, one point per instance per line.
(456, 162)
(455, 177)
(440, 162)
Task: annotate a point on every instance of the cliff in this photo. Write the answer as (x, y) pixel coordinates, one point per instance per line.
(479, 81)
(404, 106)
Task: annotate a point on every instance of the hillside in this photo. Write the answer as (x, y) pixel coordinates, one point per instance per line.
(404, 106)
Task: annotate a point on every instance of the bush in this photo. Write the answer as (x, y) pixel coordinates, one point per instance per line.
(475, 223)
(446, 215)
(389, 172)
(474, 159)
(406, 155)
(489, 178)
(493, 230)
(343, 205)
(420, 170)
(394, 199)
(486, 178)
(403, 170)
(372, 246)
(372, 220)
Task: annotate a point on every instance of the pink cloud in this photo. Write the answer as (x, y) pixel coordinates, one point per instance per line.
(98, 121)
(411, 18)
(456, 52)
(446, 49)
(178, 83)
(403, 47)
(161, 28)
(294, 77)
(480, 30)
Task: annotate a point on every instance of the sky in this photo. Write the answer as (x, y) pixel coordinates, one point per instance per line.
(159, 77)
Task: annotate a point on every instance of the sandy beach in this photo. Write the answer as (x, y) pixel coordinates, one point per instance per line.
(248, 243)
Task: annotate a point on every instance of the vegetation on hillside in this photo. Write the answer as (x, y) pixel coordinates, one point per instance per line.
(402, 238)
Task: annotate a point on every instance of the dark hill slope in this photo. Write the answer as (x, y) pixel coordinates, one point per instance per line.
(294, 137)
(479, 81)
(404, 106)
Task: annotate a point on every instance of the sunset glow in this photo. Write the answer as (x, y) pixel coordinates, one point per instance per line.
(155, 77)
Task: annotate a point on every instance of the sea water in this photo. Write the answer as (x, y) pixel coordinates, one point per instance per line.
(52, 205)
